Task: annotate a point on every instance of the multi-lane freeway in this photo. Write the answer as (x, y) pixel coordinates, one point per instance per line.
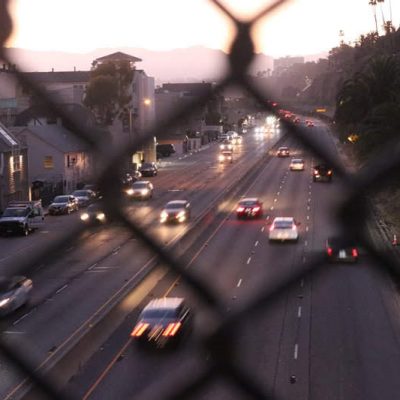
(333, 336)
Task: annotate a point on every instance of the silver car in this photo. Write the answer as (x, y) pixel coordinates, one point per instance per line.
(14, 293)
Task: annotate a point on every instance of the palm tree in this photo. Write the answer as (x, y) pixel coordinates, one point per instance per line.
(383, 16)
(373, 4)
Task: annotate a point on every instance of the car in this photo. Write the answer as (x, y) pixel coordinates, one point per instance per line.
(148, 169)
(283, 229)
(84, 196)
(283, 151)
(93, 187)
(63, 204)
(322, 172)
(163, 323)
(297, 164)
(249, 208)
(237, 140)
(225, 136)
(341, 249)
(176, 211)
(225, 156)
(296, 120)
(165, 149)
(94, 213)
(226, 145)
(310, 124)
(14, 293)
(141, 190)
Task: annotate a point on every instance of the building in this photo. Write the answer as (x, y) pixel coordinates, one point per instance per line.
(13, 168)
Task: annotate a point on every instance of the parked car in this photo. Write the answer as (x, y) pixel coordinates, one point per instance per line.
(14, 293)
(93, 187)
(64, 204)
(141, 190)
(22, 217)
(165, 150)
(163, 323)
(176, 211)
(84, 196)
(148, 169)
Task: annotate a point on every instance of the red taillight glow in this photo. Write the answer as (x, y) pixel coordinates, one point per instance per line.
(329, 251)
(171, 329)
(354, 252)
(139, 329)
(240, 209)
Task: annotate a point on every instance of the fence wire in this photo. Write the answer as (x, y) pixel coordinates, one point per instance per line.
(221, 341)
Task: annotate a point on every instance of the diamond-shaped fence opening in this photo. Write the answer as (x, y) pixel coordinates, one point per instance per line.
(221, 339)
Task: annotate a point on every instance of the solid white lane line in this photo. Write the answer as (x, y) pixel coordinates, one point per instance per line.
(299, 312)
(61, 288)
(296, 351)
(239, 283)
(248, 260)
(256, 244)
(92, 266)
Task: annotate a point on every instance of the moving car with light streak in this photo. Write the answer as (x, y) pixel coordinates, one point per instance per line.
(141, 190)
(14, 293)
(249, 208)
(283, 151)
(176, 211)
(225, 156)
(226, 145)
(164, 322)
(94, 213)
(283, 229)
(297, 164)
(322, 172)
(237, 140)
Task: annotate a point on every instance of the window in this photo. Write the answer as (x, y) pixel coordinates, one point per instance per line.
(48, 162)
(16, 162)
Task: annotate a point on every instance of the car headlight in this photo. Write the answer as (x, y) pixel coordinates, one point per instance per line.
(145, 191)
(129, 192)
(163, 216)
(3, 302)
(221, 157)
(84, 216)
(101, 216)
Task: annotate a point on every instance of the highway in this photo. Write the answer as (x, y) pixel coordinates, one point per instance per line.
(334, 336)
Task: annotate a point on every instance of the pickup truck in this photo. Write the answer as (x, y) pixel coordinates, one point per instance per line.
(21, 217)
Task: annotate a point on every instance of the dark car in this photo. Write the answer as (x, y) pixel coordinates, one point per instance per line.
(148, 169)
(94, 213)
(64, 204)
(249, 208)
(14, 293)
(340, 249)
(141, 190)
(93, 187)
(322, 172)
(283, 152)
(176, 211)
(84, 196)
(165, 150)
(164, 322)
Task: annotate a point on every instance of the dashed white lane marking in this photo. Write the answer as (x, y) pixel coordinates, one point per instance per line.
(267, 217)
(308, 217)
(302, 283)
(309, 200)
(275, 200)
(92, 266)
(308, 208)
(69, 248)
(296, 351)
(306, 243)
(262, 229)
(239, 283)
(20, 319)
(307, 228)
(61, 288)
(299, 312)
(248, 260)
(278, 193)
(304, 259)
(14, 333)
(256, 244)
(271, 208)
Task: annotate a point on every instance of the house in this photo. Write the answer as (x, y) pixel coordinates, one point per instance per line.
(13, 168)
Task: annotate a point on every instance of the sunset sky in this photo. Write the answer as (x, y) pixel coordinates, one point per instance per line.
(299, 27)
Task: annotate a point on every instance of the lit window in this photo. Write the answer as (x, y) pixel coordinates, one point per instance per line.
(48, 162)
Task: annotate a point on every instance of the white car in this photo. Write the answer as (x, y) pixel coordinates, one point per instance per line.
(14, 293)
(284, 229)
(297, 164)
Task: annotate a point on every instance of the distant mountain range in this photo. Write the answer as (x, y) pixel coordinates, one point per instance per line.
(192, 64)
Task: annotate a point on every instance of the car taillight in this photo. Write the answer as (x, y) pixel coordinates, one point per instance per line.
(171, 329)
(354, 252)
(240, 209)
(139, 329)
(315, 172)
(329, 251)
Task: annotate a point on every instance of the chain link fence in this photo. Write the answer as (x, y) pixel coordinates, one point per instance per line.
(221, 341)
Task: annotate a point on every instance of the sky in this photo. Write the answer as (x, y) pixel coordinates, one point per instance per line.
(299, 27)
